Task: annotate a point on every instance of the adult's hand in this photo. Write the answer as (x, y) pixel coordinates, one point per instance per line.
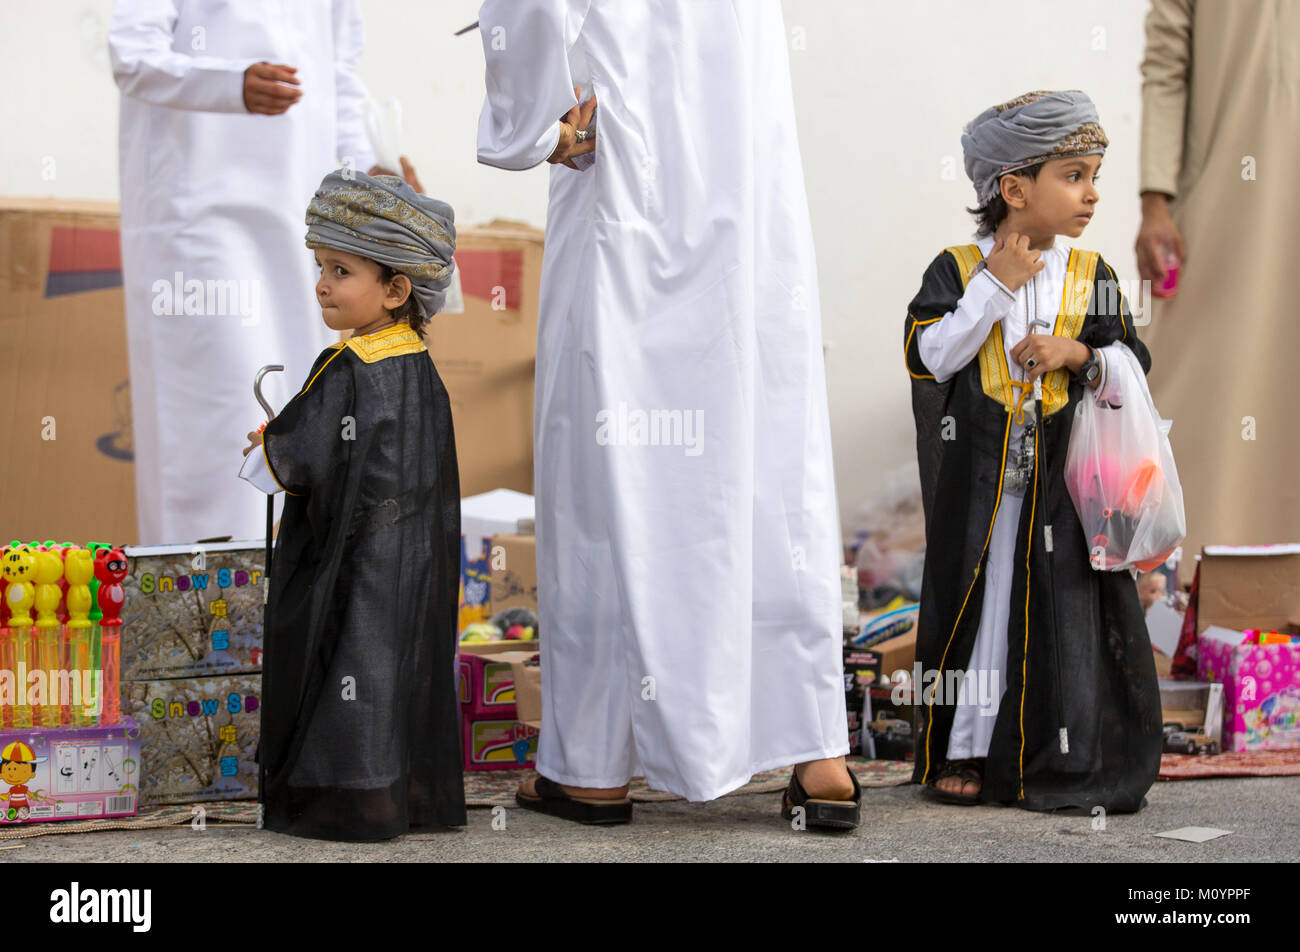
(268, 88)
(408, 173)
(1157, 234)
(579, 117)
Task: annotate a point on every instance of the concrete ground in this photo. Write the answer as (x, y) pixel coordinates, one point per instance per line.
(898, 824)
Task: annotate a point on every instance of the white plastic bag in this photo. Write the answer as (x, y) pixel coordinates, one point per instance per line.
(384, 130)
(1121, 476)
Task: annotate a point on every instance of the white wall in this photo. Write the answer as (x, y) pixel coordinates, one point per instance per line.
(882, 90)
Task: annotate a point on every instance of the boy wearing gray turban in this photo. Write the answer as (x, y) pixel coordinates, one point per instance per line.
(992, 317)
(360, 735)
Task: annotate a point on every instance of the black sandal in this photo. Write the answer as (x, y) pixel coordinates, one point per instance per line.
(830, 814)
(552, 799)
(970, 770)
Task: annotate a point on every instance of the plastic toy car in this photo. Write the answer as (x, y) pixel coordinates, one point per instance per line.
(1180, 741)
(891, 729)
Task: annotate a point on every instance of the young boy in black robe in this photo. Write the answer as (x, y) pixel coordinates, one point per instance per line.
(360, 737)
(990, 318)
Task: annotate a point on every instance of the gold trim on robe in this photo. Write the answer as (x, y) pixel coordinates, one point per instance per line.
(995, 375)
(390, 342)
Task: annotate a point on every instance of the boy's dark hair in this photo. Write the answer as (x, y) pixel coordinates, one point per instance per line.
(408, 310)
(994, 212)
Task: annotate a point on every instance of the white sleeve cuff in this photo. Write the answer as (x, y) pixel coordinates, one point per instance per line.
(1005, 290)
(256, 472)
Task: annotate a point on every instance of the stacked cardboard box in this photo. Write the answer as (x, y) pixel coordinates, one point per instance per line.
(496, 736)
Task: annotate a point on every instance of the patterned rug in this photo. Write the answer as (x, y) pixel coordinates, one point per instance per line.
(491, 788)
(1246, 763)
(483, 788)
(181, 814)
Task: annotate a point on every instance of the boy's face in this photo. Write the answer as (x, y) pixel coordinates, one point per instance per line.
(1061, 200)
(350, 292)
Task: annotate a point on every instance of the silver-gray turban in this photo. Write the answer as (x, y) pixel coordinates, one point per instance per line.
(384, 219)
(1027, 130)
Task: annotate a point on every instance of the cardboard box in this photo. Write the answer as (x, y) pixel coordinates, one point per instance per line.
(77, 773)
(514, 575)
(61, 266)
(486, 678)
(1244, 587)
(66, 422)
(487, 355)
(198, 737)
(528, 691)
(481, 518)
(193, 610)
(1192, 704)
(499, 744)
(897, 654)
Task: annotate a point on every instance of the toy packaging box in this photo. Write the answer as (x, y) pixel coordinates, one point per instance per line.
(486, 682)
(78, 773)
(1251, 587)
(1261, 690)
(496, 736)
(199, 737)
(193, 610)
(499, 744)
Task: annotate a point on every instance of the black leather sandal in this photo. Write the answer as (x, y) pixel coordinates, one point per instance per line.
(552, 799)
(828, 814)
(970, 770)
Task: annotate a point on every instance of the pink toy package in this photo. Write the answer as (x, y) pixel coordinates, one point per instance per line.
(78, 773)
(1261, 689)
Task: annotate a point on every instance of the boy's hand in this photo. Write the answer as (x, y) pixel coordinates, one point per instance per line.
(1049, 352)
(254, 441)
(1012, 262)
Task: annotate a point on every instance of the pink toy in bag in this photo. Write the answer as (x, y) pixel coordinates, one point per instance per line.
(1121, 476)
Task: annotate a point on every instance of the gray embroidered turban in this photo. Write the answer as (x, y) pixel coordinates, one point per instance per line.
(1027, 130)
(384, 219)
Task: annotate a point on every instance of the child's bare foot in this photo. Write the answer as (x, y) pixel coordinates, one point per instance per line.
(529, 789)
(825, 779)
(960, 781)
(958, 784)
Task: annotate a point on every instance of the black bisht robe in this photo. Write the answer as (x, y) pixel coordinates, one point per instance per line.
(1112, 701)
(360, 725)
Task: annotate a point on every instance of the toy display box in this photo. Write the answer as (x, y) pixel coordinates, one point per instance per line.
(78, 773)
(495, 735)
(1251, 587)
(198, 736)
(487, 684)
(193, 610)
(1261, 689)
(499, 744)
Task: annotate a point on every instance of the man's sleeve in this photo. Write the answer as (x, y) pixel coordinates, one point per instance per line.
(1166, 71)
(352, 142)
(146, 67)
(309, 444)
(529, 85)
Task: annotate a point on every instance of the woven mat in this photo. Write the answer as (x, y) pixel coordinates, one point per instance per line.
(483, 788)
(491, 788)
(1246, 763)
(181, 814)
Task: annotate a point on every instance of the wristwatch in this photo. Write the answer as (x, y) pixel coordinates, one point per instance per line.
(1091, 368)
